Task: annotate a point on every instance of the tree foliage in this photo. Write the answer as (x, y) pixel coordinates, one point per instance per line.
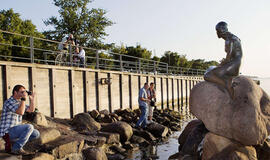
(177, 60)
(87, 26)
(10, 21)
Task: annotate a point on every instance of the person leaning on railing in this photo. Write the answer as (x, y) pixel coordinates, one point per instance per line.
(66, 41)
(11, 128)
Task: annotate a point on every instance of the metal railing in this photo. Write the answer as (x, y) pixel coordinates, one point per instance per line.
(24, 48)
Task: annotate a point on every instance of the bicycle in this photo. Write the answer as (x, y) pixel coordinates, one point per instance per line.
(61, 59)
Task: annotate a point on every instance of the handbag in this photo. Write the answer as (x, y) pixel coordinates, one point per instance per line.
(152, 103)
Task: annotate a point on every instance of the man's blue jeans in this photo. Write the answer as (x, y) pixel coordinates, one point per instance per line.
(143, 118)
(21, 134)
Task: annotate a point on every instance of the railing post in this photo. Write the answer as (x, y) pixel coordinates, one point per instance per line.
(84, 62)
(155, 70)
(32, 49)
(121, 63)
(45, 57)
(97, 60)
(139, 65)
(70, 55)
(167, 69)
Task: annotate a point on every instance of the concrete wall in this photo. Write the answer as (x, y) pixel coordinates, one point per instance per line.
(65, 91)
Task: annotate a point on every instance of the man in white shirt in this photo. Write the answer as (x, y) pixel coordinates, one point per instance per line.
(81, 55)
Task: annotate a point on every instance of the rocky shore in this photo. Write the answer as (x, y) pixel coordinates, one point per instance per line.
(96, 135)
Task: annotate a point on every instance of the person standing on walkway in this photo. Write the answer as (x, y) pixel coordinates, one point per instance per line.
(143, 104)
(152, 97)
(81, 56)
(11, 127)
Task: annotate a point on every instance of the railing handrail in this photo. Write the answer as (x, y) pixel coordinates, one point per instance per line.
(139, 64)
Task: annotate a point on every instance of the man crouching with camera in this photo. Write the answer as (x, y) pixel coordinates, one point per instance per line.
(11, 128)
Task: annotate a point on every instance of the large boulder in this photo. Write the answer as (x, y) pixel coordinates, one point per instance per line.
(122, 128)
(187, 130)
(244, 118)
(40, 119)
(43, 156)
(192, 138)
(217, 147)
(64, 146)
(48, 135)
(94, 113)
(83, 121)
(144, 134)
(157, 130)
(93, 153)
(110, 137)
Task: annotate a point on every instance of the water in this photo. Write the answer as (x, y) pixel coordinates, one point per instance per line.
(161, 151)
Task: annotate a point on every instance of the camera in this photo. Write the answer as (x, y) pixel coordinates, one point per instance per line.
(29, 93)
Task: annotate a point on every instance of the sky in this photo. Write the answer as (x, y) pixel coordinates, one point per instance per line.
(183, 26)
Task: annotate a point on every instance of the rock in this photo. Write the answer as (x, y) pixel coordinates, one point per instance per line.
(2, 144)
(263, 151)
(122, 128)
(137, 139)
(83, 121)
(91, 139)
(105, 119)
(157, 130)
(121, 112)
(127, 118)
(185, 133)
(105, 112)
(145, 134)
(165, 121)
(137, 112)
(94, 113)
(193, 140)
(40, 119)
(6, 156)
(93, 153)
(115, 157)
(74, 156)
(217, 147)
(244, 119)
(101, 141)
(130, 146)
(175, 156)
(115, 116)
(48, 135)
(110, 137)
(64, 145)
(117, 149)
(43, 156)
(176, 128)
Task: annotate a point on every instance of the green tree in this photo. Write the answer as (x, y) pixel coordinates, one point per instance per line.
(10, 21)
(138, 51)
(156, 58)
(174, 59)
(87, 26)
(210, 63)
